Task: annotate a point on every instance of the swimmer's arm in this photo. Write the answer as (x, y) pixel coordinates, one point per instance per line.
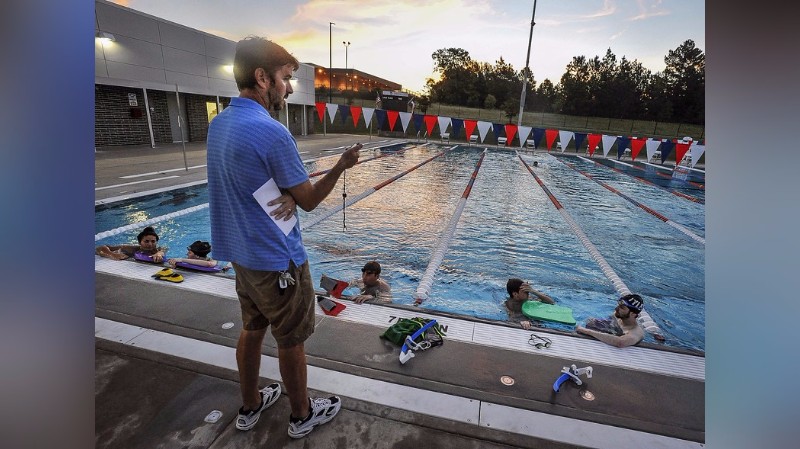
(623, 341)
(542, 297)
(198, 262)
(158, 256)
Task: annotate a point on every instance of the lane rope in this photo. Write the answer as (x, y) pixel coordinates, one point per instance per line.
(644, 318)
(323, 215)
(424, 288)
(652, 212)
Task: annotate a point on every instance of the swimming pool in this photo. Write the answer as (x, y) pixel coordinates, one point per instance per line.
(508, 228)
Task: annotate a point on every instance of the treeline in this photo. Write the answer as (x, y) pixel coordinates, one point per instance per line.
(597, 87)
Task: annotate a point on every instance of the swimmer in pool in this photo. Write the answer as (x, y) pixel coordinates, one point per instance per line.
(519, 291)
(196, 254)
(622, 329)
(373, 288)
(148, 244)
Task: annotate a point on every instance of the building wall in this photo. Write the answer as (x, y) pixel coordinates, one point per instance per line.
(151, 53)
(116, 122)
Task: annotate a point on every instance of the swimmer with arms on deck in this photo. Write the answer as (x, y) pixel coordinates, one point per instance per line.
(622, 329)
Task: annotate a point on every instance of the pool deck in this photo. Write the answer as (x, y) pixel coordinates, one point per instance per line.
(164, 360)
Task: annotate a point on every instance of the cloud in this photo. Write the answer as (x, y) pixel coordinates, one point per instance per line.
(648, 9)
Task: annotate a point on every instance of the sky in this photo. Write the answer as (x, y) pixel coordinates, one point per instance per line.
(394, 39)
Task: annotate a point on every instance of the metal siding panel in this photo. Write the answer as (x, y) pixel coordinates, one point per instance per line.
(135, 73)
(182, 38)
(184, 62)
(120, 22)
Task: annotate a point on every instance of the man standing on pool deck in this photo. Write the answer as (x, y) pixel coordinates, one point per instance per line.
(247, 149)
(622, 329)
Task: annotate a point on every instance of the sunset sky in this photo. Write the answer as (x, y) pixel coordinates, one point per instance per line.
(395, 39)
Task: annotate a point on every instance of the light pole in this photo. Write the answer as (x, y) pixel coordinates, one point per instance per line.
(527, 69)
(330, 60)
(346, 46)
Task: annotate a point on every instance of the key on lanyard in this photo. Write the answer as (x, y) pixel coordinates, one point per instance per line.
(285, 280)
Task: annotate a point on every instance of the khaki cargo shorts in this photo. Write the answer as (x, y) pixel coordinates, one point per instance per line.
(290, 313)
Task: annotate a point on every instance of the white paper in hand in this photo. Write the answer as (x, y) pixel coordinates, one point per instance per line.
(266, 193)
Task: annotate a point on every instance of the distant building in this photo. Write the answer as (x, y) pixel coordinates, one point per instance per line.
(157, 81)
(350, 80)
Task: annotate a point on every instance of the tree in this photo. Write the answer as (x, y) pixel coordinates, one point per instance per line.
(686, 82)
(490, 102)
(575, 87)
(424, 102)
(547, 95)
(510, 108)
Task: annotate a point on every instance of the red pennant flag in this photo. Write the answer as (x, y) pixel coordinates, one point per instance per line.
(594, 141)
(430, 122)
(355, 111)
(320, 110)
(636, 147)
(469, 126)
(680, 151)
(550, 135)
(511, 131)
(393, 119)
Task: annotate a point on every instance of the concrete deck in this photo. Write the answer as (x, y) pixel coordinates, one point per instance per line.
(165, 360)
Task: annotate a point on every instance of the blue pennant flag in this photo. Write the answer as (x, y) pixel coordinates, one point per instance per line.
(344, 112)
(579, 140)
(498, 129)
(538, 134)
(622, 143)
(418, 118)
(666, 149)
(380, 115)
(456, 124)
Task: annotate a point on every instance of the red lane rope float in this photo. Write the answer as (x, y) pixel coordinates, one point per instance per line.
(424, 288)
(644, 318)
(658, 215)
(682, 195)
(354, 199)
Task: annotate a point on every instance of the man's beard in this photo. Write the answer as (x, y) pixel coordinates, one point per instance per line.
(275, 103)
(620, 316)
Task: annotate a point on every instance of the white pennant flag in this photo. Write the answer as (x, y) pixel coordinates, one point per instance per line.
(443, 123)
(696, 150)
(564, 137)
(405, 118)
(651, 145)
(483, 129)
(608, 142)
(523, 131)
(367, 112)
(332, 108)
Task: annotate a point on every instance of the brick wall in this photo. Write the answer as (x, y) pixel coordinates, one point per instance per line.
(116, 122)
(197, 116)
(162, 131)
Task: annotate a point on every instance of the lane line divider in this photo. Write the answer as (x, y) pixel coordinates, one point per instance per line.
(644, 318)
(656, 214)
(424, 289)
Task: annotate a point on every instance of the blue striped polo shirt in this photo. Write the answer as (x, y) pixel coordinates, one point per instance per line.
(247, 148)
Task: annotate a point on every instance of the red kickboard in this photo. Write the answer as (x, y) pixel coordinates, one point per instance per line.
(334, 287)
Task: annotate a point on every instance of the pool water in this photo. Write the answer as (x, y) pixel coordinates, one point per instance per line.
(508, 228)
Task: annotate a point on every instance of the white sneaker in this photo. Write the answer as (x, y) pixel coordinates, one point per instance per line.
(269, 394)
(322, 411)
